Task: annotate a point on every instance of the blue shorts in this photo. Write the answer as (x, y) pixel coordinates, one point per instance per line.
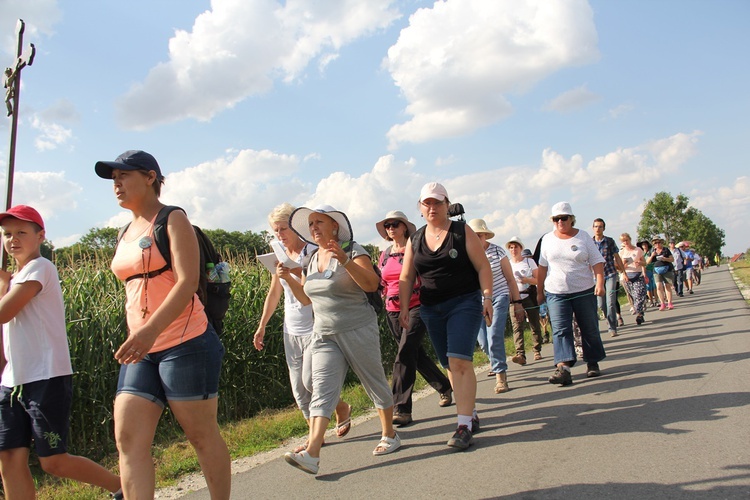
(453, 325)
(38, 410)
(185, 372)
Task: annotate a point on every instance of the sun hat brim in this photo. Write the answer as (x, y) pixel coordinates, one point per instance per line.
(394, 215)
(299, 222)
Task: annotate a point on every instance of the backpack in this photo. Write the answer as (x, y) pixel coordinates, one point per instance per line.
(375, 299)
(213, 296)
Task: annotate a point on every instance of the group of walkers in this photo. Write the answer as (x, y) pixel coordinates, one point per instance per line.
(445, 280)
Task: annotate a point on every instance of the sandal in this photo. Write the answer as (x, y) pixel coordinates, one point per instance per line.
(387, 445)
(537, 355)
(343, 427)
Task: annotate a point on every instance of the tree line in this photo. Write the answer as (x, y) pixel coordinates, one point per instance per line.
(663, 214)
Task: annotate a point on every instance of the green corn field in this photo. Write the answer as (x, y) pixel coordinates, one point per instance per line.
(251, 381)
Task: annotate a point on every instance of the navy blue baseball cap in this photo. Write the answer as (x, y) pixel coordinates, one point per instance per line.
(133, 159)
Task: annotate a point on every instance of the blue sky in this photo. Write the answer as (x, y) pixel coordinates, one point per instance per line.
(512, 104)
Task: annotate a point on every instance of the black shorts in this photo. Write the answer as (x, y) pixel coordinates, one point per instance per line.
(38, 410)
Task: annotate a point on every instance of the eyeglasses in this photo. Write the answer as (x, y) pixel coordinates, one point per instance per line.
(431, 202)
(393, 224)
(558, 218)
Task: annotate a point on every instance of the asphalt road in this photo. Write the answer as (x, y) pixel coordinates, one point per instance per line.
(669, 418)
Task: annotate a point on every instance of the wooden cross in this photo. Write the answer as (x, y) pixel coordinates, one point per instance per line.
(12, 84)
(12, 75)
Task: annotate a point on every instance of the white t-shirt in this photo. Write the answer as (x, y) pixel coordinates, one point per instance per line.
(524, 269)
(569, 262)
(35, 341)
(298, 318)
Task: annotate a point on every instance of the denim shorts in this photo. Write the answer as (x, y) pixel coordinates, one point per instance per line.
(38, 410)
(453, 325)
(185, 372)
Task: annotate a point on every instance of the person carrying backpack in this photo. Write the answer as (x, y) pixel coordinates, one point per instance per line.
(171, 354)
(411, 356)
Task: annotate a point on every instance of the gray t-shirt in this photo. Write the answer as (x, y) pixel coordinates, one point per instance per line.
(339, 304)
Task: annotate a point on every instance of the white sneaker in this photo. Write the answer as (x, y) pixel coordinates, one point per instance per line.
(303, 461)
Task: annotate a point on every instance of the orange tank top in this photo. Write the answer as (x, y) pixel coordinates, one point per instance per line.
(147, 294)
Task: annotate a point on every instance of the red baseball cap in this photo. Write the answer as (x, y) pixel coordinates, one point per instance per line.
(23, 212)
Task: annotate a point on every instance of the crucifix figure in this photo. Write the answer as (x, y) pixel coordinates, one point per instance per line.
(13, 75)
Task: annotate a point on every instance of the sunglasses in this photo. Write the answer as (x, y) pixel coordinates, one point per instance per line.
(389, 225)
(558, 218)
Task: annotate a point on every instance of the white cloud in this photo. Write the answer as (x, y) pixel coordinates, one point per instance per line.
(39, 15)
(729, 208)
(239, 47)
(572, 100)
(620, 111)
(49, 192)
(237, 191)
(455, 62)
(53, 135)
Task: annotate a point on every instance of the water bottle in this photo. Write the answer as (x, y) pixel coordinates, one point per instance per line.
(543, 309)
(222, 272)
(213, 275)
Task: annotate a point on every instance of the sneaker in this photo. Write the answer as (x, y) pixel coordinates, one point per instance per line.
(402, 419)
(670, 306)
(639, 319)
(662, 307)
(446, 399)
(303, 461)
(519, 359)
(475, 424)
(462, 438)
(592, 370)
(613, 333)
(562, 377)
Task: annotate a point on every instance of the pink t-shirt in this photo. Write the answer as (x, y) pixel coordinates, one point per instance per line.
(148, 294)
(629, 259)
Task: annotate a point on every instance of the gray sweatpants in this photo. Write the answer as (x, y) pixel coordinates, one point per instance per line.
(331, 357)
(297, 352)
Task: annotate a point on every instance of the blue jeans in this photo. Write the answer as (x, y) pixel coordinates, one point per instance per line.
(492, 339)
(562, 307)
(608, 303)
(679, 280)
(453, 325)
(186, 372)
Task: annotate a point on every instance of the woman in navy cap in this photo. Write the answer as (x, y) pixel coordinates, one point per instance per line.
(171, 353)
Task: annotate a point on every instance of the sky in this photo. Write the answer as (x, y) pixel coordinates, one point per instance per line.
(513, 105)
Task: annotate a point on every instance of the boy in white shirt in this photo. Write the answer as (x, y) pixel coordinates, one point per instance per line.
(36, 385)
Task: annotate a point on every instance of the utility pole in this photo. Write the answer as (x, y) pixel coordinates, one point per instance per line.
(12, 85)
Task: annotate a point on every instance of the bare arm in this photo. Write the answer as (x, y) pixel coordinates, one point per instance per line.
(482, 266)
(269, 307)
(406, 284)
(599, 275)
(359, 268)
(515, 295)
(541, 276)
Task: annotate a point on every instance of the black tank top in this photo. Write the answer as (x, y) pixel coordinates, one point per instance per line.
(446, 272)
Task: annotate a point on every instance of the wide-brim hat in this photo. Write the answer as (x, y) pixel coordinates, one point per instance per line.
(394, 215)
(657, 237)
(642, 242)
(561, 208)
(480, 226)
(515, 240)
(298, 221)
(129, 160)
